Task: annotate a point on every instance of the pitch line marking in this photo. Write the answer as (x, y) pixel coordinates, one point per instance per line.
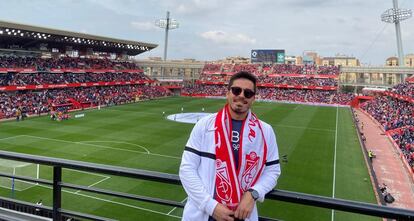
(96, 183)
(114, 202)
(182, 201)
(334, 164)
(102, 146)
(119, 142)
(80, 171)
(6, 138)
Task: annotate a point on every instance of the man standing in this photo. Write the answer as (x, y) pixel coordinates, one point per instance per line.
(230, 160)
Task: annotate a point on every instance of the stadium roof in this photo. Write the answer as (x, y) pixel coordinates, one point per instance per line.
(23, 35)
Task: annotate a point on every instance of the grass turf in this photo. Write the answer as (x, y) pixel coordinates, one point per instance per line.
(121, 136)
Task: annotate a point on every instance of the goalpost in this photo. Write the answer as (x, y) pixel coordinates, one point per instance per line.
(17, 168)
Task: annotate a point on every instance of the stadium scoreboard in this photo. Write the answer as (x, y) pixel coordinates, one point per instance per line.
(268, 56)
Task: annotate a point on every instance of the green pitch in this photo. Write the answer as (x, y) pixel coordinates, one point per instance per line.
(138, 136)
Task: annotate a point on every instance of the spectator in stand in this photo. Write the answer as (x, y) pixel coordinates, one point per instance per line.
(45, 64)
(405, 89)
(39, 101)
(295, 95)
(20, 79)
(211, 68)
(390, 112)
(404, 138)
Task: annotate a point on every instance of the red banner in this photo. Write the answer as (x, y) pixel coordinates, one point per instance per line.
(18, 70)
(211, 72)
(325, 88)
(300, 87)
(77, 70)
(194, 95)
(304, 75)
(399, 97)
(173, 86)
(53, 86)
(210, 82)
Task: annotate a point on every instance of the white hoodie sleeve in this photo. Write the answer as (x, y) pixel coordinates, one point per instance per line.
(189, 175)
(271, 170)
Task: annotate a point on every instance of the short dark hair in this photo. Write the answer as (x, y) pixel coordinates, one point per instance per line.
(245, 75)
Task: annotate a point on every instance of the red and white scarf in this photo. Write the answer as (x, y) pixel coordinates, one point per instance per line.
(230, 183)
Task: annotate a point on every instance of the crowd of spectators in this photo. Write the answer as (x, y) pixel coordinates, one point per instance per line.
(320, 70)
(58, 78)
(299, 81)
(303, 81)
(36, 102)
(327, 70)
(405, 140)
(390, 112)
(18, 62)
(264, 69)
(227, 68)
(397, 117)
(215, 77)
(406, 89)
(252, 68)
(287, 69)
(31, 102)
(276, 94)
(306, 96)
(211, 68)
(45, 64)
(206, 89)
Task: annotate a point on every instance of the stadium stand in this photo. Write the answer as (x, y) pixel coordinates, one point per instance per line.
(279, 82)
(390, 112)
(395, 113)
(74, 83)
(406, 89)
(43, 64)
(21, 79)
(404, 138)
(43, 101)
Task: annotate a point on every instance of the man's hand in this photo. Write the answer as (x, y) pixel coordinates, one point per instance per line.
(245, 207)
(222, 213)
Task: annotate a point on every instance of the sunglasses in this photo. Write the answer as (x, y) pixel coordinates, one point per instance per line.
(247, 92)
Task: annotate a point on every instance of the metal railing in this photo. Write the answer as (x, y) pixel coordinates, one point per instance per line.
(281, 195)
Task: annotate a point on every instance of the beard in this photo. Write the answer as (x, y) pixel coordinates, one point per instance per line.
(239, 108)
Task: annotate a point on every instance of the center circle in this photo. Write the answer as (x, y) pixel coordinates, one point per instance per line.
(189, 118)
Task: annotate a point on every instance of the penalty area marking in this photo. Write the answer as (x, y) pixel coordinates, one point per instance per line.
(6, 138)
(105, 177)
(96, 183)
(102, 146)
(182, 201)
(114, 202)
(118, 142)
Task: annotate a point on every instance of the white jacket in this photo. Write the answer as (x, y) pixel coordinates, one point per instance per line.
(197, 170)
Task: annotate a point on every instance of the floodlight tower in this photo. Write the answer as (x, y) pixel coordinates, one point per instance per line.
(395, 15)
(166, 24)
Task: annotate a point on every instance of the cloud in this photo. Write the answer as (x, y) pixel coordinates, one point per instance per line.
(143, 26)
(227, 38)
(307, 3)
(197, 6)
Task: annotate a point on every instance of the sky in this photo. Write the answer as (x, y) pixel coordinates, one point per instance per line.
(215, 29)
